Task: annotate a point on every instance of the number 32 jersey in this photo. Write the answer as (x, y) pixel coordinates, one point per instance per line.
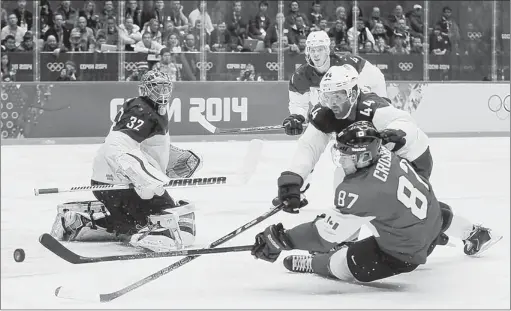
(137, 126)
(394, 202)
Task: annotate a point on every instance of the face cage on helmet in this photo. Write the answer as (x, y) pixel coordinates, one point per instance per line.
(308, 57)
(158, 91)
(352, 96)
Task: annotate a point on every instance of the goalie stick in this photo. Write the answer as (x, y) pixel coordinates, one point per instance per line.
(250, 162)
(65, 253)
(64, 292)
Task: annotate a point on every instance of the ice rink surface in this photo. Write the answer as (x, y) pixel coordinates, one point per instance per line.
(470, 174)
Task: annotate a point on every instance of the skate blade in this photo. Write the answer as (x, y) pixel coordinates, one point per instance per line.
(490, 243)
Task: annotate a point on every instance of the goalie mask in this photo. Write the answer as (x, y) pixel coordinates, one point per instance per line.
(317, 49)
(357, 146)
(157, 86)
(339, 90)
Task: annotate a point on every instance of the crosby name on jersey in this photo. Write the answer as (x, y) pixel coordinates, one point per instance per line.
(304, 83)
(137, 125)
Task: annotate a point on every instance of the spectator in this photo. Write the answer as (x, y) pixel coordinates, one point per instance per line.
(260, 23)
(177, 16)
(159, 12)
(13, 29)
(9, 43)
(4, 18)
(362, 33)
(169, 29)
(7, 74)
(168, 65)
(271, 38)
(110, 32)
(417, 47)
(368, 48)
(28, 43)
(338, 33)
(140, 70)
(375, 18)
(77, 43)
(297, 31)
(195, 31)
(236, 43)
(381, 46)
(220, 39)
(448, 26)
(91, 17)
(249, 74)
(107, 13)
(398, 47)
(174, 44)
(416, 22)
(148, 45)
(294, 12)
(68, 13)
(147, 12)
(323, 24)
(189, 44)
(100, 40)
(340, 14)
(135, 12)
(197, 15)
(396, 16)
(129, 33)
(285, 45)
(51, 44)
(24, 16)
(58, 30)
(45, 17)
(153, 28)
(86, 33)
(316, 14)
(68, 73)
(358, 13)
(380, 31)
(403, 29)
(439, 43)
(236, 24)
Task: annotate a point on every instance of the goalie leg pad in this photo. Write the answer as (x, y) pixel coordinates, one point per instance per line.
(182, 163)
(81, 226)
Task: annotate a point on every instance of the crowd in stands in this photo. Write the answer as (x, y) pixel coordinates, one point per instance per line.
(158, 27)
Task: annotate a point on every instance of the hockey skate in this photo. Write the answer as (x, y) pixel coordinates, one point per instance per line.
(299, 263)
(479, 240)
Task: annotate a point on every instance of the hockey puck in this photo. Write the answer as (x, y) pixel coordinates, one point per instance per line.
(19, 255)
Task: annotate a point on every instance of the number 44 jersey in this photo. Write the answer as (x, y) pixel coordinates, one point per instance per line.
(392, 200)
(137, 127)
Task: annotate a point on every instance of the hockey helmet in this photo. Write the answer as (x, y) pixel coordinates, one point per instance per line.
(356, 147)
(157, 86)
(339, 90)
(317, 48)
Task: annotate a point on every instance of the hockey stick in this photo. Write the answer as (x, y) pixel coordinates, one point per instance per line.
(65, 253)
(250, 162)
(247, 129)
(64, 292)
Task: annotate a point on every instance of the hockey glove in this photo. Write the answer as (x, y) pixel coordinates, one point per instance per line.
(270, 243)
(393, 136)
(293, 125)
(289, 184)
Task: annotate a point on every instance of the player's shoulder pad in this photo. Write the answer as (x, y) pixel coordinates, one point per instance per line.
(138, 107)
(322, 118)
(299, 81)
(367, 105)
(355, 61)
(354, 196)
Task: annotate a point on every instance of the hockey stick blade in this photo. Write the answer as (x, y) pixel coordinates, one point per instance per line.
(63, 252)
(250, 163)
(68, 293)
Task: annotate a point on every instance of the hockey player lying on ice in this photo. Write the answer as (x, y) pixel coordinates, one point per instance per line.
(136, 151)
(382, 191)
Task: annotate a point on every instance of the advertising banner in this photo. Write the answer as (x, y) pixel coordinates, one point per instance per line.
(23, 64)
(87, 66)
(86, 109)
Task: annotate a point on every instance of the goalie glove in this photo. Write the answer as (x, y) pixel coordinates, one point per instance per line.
(182, 163)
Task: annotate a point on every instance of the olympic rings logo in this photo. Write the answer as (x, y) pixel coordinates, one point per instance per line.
(130, 66)
(55, 66)
(474, 35)
(272, 66)
(499, 106)
(5, 134)
(205, 65)
(405, 66)
(9, 106)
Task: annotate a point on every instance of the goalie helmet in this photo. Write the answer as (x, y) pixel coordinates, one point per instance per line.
(356, 147)
(157, 86)
(317, 48)
(339, 90)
